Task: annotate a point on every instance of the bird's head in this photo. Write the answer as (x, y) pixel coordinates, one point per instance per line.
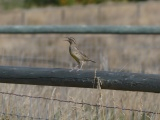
(71, 40)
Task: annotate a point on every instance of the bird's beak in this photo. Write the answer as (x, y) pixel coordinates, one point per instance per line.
(66, 40)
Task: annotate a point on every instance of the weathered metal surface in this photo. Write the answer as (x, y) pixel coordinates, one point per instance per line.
(82, 78)
(79, 29)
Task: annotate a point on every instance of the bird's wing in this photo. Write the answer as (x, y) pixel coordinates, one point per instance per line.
(81, 53)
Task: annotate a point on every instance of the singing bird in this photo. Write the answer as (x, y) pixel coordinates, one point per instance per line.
(79, 56)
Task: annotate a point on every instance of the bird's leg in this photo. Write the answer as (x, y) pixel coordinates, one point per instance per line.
(71, 70)
(74, 68)
(81, 65)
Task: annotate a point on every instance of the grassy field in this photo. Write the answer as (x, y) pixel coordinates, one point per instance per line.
(133, 53)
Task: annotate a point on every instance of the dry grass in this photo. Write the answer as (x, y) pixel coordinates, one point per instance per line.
(134, 53)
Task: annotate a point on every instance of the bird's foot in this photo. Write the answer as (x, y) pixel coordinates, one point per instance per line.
(71, 70)
(75, 68)
(79, 69)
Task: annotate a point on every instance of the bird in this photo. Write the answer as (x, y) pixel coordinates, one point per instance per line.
(79, 56)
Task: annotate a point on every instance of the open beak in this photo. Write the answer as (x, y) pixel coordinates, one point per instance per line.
(66, 40)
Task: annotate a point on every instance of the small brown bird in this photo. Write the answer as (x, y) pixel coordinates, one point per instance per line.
(80, 57)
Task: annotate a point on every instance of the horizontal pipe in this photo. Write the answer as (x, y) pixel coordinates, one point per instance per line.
(79, 29)
(82, 78)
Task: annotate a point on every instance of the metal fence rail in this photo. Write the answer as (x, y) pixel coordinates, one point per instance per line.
(82, 78)
(81, 29)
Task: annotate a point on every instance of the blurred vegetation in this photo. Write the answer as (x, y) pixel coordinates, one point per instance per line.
(9, 4)
(29, 3)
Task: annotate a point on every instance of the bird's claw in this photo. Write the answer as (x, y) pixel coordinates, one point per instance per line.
(75, 68)
(78, 70)
(71, 70)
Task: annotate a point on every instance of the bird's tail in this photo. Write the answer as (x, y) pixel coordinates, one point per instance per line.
(92, 61)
